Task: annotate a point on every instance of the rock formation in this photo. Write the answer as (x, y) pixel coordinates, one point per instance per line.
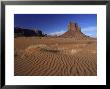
(74, 31)
(73, 27)
(18, 32)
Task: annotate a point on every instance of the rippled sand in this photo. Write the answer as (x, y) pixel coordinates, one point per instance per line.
(38, 56)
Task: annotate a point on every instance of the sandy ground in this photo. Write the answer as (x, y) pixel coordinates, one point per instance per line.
(44, 56)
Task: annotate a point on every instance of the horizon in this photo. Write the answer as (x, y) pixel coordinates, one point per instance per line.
(57, 24)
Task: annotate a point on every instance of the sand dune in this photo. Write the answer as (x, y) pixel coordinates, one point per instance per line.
(51, 57)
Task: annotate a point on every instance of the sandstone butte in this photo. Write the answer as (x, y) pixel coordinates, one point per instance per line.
(74, 31)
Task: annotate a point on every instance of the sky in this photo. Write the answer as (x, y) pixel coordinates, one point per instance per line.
(57, 24)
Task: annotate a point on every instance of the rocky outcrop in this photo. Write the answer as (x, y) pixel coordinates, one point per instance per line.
(73, 27)
(74, 31)
(18, 32)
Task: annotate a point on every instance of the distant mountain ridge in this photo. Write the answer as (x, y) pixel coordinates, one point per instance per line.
(18, 32)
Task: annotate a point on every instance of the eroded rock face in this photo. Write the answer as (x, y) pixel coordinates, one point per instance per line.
(74, 31)
(20, 32)
(73, 27)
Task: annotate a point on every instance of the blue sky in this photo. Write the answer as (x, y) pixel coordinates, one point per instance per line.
(56, 24)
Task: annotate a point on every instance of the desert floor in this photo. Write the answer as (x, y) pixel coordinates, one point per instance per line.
(44, 56)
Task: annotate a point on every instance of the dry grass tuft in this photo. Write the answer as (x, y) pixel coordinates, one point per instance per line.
(49, 49)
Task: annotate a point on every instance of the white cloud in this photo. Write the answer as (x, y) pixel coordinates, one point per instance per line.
(57, 33)
(90, 31)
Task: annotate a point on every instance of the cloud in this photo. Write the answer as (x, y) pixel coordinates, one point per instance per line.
(90, 31)
(57, 33)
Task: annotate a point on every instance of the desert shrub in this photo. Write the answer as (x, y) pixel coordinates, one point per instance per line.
(36, 46)
(43, 47)
(49, 49)
(89, 42)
